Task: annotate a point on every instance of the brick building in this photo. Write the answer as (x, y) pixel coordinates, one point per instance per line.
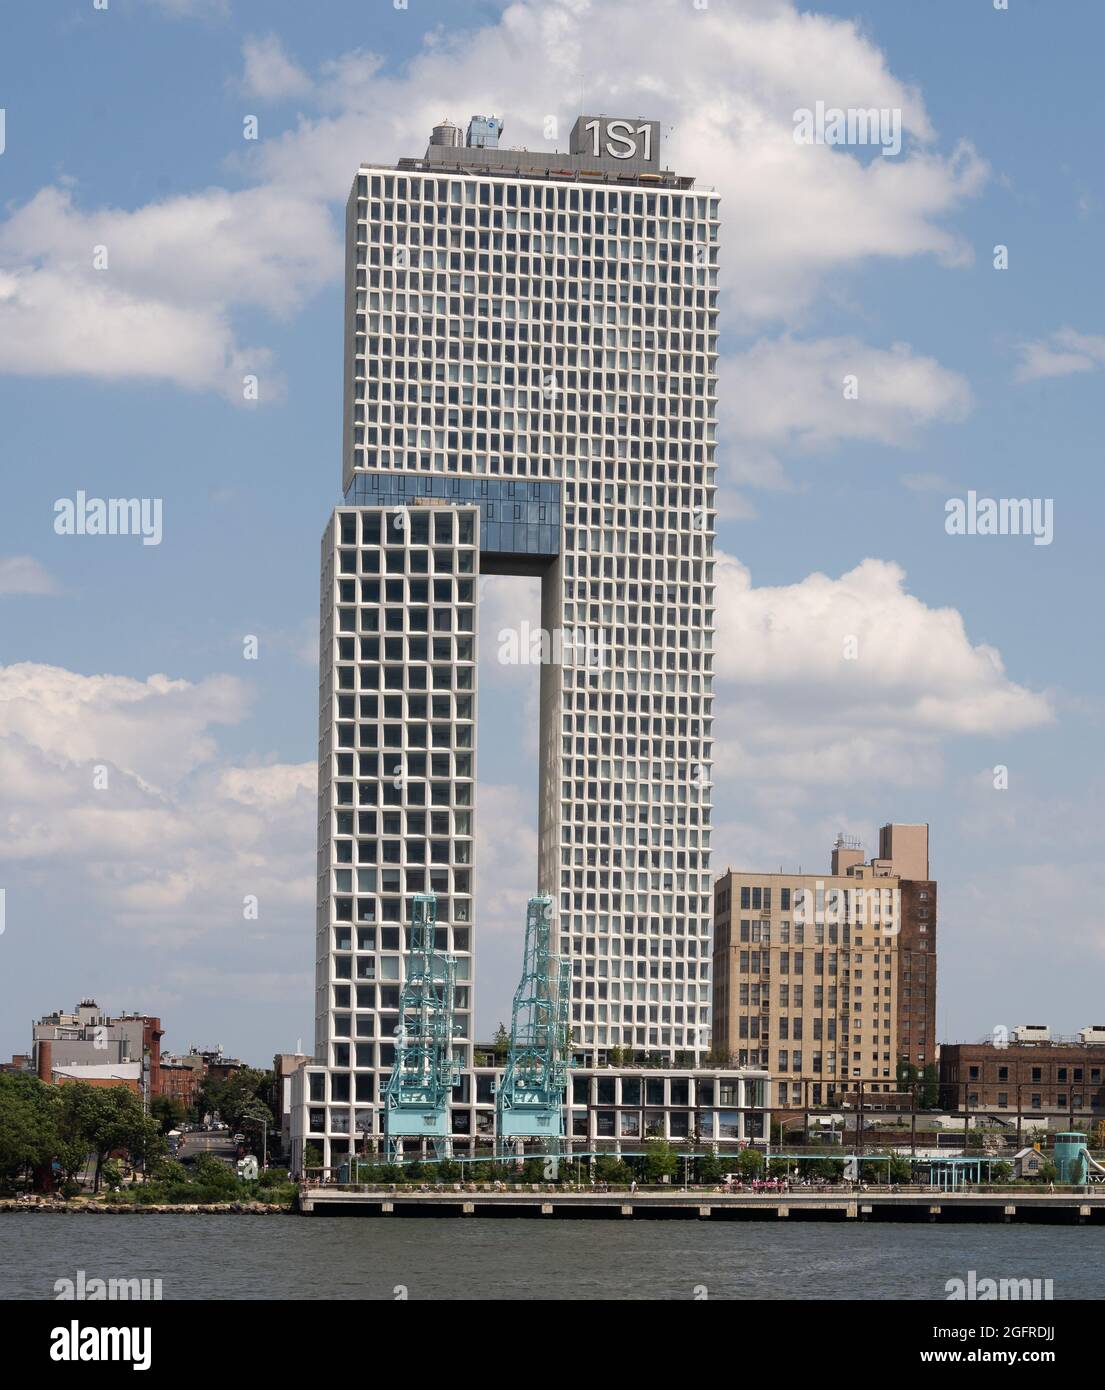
(829, 981)
(1030, 1074)
(181, 1077)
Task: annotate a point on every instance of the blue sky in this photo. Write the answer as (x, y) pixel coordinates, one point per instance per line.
(123, 128)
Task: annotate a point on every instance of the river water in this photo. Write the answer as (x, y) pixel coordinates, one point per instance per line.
(288, 1257)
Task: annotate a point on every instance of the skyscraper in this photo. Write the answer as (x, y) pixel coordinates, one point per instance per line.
(530, 389)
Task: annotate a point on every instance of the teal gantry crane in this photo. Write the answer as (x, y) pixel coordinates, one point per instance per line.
(416, 1101)
(530, 1099)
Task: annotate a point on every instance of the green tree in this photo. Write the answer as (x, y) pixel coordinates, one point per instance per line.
(710, 1168)
(111, 1118)
(901, 1169)
(749, 1163)
(168, 1111)
(112, 1174)
(29, 1134)
(886, 1167)
(501, 1042)
(832, 1169)
(170, 1171)
(72, 1155)
(256, 1121)
(240, 1096)
(613, 1170)
(214, 1174)
(661, 1160)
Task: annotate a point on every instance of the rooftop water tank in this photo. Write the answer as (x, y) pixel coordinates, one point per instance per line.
(445, 134)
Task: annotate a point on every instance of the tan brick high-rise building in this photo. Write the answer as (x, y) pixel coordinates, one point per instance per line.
(829, 980)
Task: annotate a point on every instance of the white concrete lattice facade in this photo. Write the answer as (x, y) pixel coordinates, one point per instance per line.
(505, 329)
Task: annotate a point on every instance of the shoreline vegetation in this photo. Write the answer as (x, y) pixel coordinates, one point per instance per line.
(76, 1147)
(211, 1187)
(77, 1207)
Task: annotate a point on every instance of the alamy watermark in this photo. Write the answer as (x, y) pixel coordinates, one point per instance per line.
(92, 1289)
(109, 516)
(880, 907)
(823, 125)
(974, 1289)
(1001, 516)
(77, 1343)
(537, 646)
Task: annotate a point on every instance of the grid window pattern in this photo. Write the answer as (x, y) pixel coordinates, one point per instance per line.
(526, 331)
(396, 776)
(809, 989)
(528, 328)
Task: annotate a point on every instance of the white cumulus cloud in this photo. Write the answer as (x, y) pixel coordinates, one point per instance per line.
(268, 73)
(725, 82)
(22, 574)
(830, 678)
(1062, 353)
(788, 395)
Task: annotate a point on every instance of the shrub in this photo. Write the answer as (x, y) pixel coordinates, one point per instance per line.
(611, 1169)
(170, 1170)
(749, 1163)
(111, 1174)
(211, 1172)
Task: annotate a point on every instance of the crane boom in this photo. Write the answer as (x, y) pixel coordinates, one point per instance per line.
(530, 1099)
(416, 1100)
